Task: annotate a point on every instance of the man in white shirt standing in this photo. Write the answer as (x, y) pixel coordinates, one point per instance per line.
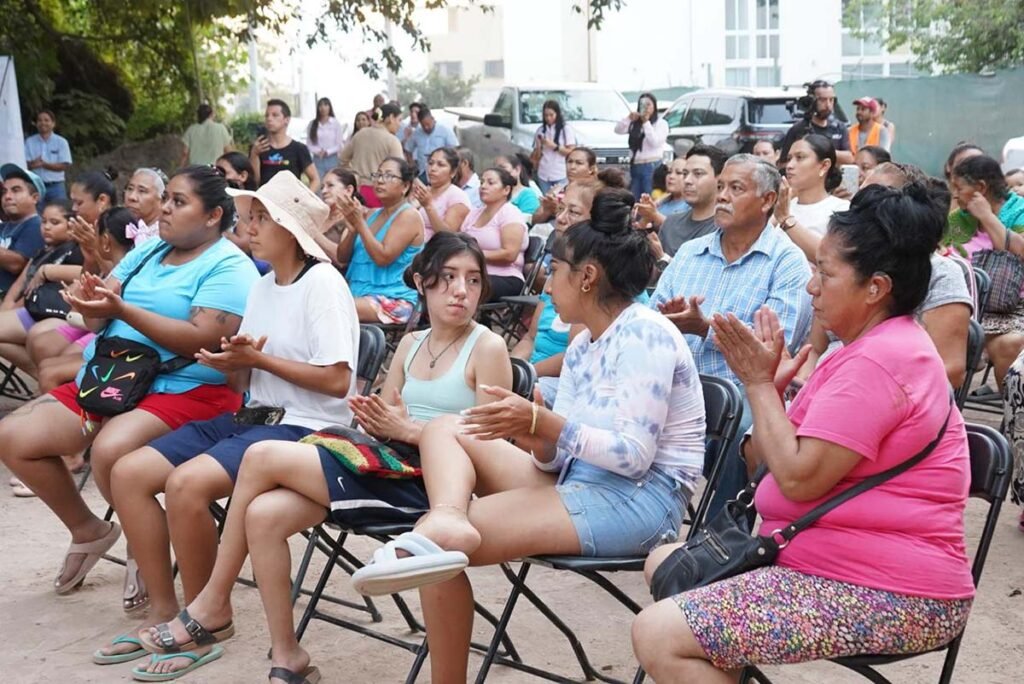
(48, 155)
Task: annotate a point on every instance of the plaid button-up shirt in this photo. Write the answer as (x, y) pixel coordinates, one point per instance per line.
(773, 272)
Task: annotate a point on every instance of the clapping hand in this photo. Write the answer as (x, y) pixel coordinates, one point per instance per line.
(381, 419)
(91, 297)
(685, 313)
(511, 416)
(782, 202)
(758, 355)
(422, 194)
(350, 209)
(239, 352)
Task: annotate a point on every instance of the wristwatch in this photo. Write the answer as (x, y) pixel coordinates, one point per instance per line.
(788, 223)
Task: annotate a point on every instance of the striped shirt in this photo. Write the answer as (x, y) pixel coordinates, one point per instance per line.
(772, 272)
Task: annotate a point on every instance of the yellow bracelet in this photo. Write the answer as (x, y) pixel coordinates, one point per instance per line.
(533, 423)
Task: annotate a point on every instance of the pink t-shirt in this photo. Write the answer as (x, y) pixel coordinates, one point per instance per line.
(489, 236)
(885, 397)
(452, 196)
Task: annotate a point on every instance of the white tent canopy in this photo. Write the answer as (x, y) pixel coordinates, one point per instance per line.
(12, 146)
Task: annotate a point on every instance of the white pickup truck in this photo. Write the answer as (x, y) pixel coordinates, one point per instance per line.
(511, 126)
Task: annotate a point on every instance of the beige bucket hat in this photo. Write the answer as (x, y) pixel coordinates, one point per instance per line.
(292, 206)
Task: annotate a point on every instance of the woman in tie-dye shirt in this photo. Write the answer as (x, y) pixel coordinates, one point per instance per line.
(608, 472)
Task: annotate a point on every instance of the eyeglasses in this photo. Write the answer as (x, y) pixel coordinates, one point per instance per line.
(386, 177)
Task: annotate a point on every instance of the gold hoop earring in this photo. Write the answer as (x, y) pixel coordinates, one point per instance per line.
(585, 288)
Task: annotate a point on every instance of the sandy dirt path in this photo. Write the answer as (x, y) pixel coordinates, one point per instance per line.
(46, 638)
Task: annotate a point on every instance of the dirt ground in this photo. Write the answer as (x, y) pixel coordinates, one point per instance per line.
(46, 638)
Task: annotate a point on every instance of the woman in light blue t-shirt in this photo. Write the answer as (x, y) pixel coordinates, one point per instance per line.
(188, 291)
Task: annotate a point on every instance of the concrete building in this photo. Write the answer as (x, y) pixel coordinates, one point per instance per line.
(655, 44)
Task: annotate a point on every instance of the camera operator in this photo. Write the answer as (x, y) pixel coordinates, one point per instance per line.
(819, 106)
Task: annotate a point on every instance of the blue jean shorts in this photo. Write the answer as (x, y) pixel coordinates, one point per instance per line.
(621, 516)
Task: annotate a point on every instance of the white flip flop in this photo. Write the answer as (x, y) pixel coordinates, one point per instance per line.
(387, 574)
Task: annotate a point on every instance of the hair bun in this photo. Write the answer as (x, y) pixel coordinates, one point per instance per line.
(612, 211)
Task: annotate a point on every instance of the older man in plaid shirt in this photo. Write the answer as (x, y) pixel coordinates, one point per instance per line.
(742, 266)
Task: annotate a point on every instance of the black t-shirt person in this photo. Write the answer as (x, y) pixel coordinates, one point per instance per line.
(834, 130)
(294, 157)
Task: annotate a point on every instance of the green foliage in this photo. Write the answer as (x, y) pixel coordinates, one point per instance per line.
(242, 129)
(152, 62)
(436, 90)
(953, 35)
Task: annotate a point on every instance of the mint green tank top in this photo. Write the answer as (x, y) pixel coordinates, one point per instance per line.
(448, 394)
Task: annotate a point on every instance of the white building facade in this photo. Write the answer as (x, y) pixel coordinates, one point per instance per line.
(659, 43)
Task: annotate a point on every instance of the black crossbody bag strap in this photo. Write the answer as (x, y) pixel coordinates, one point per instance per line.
(747, 495)
(172, 364)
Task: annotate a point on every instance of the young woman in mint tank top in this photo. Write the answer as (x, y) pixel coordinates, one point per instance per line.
(378, 249)
(292, 486)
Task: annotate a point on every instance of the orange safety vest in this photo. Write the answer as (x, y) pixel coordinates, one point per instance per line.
(874, 135)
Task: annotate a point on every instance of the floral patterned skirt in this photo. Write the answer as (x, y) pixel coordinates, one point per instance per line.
(775, 615)
(1013, 424)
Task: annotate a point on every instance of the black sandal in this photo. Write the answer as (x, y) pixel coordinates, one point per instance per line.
(165, 642)
(311, 675)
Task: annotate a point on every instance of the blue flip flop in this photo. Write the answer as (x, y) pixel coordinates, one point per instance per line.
(101, 658)
(140, 674)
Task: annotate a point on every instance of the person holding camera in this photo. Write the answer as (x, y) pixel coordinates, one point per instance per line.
(819, 106)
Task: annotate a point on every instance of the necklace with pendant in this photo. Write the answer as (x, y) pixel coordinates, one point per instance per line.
(434, 358)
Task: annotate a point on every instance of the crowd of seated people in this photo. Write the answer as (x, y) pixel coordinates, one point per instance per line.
(771, 278)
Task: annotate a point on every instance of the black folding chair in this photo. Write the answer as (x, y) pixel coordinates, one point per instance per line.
(982, 289)
(723, 407)
(523, 379)
(991, 465)
(975, 346)
(12, 385)
(983, 399)
(507, 314)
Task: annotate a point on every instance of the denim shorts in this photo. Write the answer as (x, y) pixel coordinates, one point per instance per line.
(621, 516)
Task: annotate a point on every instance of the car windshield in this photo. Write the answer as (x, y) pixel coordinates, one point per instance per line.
(769, 111)
(577, 105)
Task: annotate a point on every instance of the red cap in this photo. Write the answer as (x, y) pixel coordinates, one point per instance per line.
(869, 102)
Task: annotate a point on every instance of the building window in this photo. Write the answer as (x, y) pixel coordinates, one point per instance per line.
(853, 72)
(752, 47)
(494, 68)
(853, 46)
(449, 69)
(903, 69)
(737, 77)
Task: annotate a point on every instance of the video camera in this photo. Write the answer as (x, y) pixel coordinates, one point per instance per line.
(805, 104)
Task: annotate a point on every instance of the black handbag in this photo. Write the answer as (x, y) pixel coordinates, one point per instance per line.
(121, 371)
(724, 547)
(46, 301)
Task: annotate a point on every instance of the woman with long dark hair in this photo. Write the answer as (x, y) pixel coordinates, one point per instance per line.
(555, 140)
(324, 137)
(647, 134)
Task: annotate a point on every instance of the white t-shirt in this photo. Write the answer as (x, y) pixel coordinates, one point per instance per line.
(816, 216)
(313, 321)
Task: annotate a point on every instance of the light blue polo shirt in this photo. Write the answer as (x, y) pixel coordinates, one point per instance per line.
(53, 150)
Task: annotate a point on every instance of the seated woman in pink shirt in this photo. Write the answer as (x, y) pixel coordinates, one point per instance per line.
(443, 205)
(499, 228)
(887, 571)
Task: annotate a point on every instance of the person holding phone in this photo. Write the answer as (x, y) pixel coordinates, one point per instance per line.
(274, 151)
(295, 354)
(555, 141)
(647, 134)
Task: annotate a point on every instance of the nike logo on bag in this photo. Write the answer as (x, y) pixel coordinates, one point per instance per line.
(131, 359)
(109, 372)
(114, 355)
(122, 377)
(84, 394)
